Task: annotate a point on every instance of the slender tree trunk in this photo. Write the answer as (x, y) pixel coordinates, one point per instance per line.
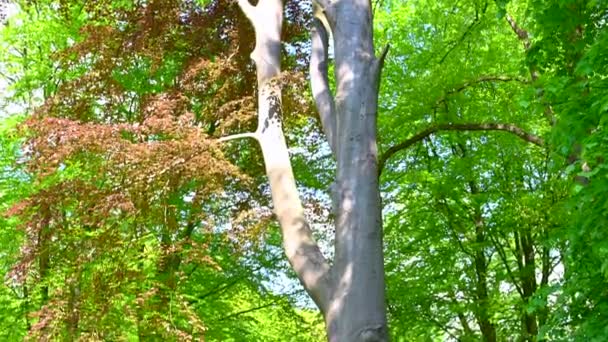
(44, 253)
(350, 294)
(527, 269)
(488, 330)
(300, 247)
(73, 307)
(26, 306)
(529, 282)
(543, 313)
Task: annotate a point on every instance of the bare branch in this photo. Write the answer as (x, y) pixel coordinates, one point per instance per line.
(320, 83)
(10, 79)
(238, 136)
(505, 262)
(456, 43)
(527, 137)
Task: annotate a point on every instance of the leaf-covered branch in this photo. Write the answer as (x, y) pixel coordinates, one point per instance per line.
(519, 132)
(479, 80)
(466, 33)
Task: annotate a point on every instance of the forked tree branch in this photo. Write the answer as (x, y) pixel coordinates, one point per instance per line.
(525, 136)
(320, 83)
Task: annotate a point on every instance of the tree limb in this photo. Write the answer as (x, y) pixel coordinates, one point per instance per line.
(382, 56)
(238, 313)
(323, 4)
(525, 136)
(469, 29)
(299, 244)
(320, 83)
(525, 39)
(449, 216)
(238, 136)
(505, 262)
(247, 8)
(521, 33)
(445, 328)
(481, 79)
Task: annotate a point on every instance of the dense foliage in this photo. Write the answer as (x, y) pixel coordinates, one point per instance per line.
(126, 219)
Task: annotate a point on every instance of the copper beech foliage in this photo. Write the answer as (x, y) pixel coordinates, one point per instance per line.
(134, 142)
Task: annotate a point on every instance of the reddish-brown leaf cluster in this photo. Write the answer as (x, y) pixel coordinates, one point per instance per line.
(131, 130)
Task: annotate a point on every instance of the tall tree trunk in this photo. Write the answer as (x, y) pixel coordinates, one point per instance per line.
(527, 270)
(488, 330)
(357, 312)
(351, 293)
(529, 282)
(43, 246)
(72, 319)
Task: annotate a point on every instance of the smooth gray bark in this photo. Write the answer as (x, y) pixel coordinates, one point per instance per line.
(302, 251)
(357, 310)
(350, 293)
(320, 83)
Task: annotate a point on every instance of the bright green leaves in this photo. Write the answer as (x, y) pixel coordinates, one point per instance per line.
(464, 211)
(28, 43)
(461, 208)
(570, 48)
(13, 186)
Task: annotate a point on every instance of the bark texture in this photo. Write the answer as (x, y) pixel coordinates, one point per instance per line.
(357, 309)
(350, 293)
(300, 247)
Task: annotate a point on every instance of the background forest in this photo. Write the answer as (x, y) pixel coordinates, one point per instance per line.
(125, 219)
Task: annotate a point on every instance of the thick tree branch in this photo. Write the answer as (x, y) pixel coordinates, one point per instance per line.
(247, 8)
(238, 136)
(320, 83)
(527, 137)
(379, 64)
(299, 244)
(324, 5)
(382, 56)
(487, 78)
